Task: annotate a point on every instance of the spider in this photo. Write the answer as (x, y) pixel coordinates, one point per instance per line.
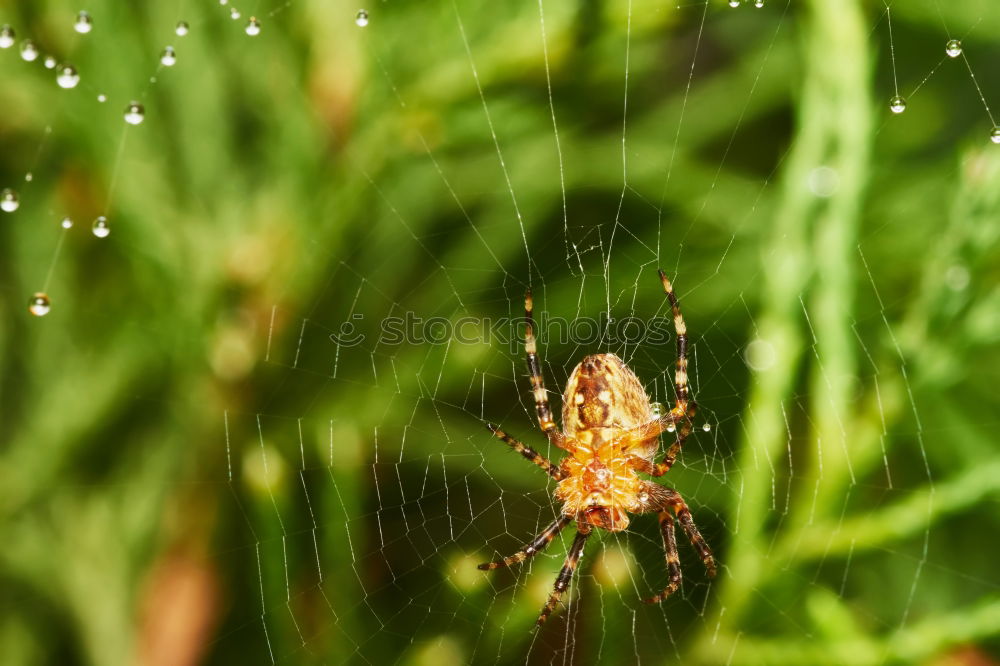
(610, 432)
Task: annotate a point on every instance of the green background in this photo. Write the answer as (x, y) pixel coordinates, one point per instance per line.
(193, 471)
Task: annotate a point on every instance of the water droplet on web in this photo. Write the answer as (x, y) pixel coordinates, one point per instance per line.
(734, 3)
(39, 304)
(897, 104)
(7, 36)
(134, 113)
(29, 177)
(995, 135)
(100, 227)
(953, 48)
(223, 2)
(234, 13)
(253, 26)
(29, 52)
(169, 57)
(9, 200)
(67, 223)
(67, 77)
(49, 62)
(361, 19)
(657, 409)
(84, 23)
(758, 3)
(707, 427)
(102, 98)
(182, 28)
(671, 428)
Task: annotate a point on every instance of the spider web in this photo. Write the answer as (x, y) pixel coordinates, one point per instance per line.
(576, 149)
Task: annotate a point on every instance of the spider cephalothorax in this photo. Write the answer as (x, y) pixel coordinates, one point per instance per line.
(611, 433)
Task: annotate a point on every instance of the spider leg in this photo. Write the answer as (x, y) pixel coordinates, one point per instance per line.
(694, 536)
(671, 499)
(670, 505)
(673, 561)
(537, 382)
(527, 452)
(536, 546)
(565, 575)
(680, 375)
(684, 409)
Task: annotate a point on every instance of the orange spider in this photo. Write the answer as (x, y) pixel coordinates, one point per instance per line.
(610, 432)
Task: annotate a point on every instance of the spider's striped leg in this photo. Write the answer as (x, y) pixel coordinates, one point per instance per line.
(527, 452)
(536, 546)
(691, 530)
(565, 575)
(537, 382)
(684, 409)
(683, 430)
(673, 561)
(648, 431)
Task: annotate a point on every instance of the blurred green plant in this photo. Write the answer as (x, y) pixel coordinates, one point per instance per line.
(192, 470)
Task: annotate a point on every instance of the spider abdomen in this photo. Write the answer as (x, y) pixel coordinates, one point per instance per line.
(603, 392)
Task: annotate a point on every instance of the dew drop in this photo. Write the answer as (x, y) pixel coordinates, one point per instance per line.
(181, 29)
(953, 48)
(657, 409)
(49, 62)
(134, 113)
(28, 177)
(169, 57)
(67, 77)
(100, 227)
(29, 52)
(897, 104)
(995, 135)
(707, 427)
(758, 3)
(39, 304)
(253, 26)
(84, 23)
(67, 223)
(7, 36)
(671, 428)
(734, 3)
(234, 13)
(361, 19)
(9, 200)
(102, 98)
(223, 2)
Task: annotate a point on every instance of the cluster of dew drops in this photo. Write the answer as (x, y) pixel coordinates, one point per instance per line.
(67, 77)
(952, 49)
(897, 104)
(659, 409)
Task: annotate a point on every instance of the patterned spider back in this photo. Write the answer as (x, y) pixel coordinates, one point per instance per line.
(603, 392)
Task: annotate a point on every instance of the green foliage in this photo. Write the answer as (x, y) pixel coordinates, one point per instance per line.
(191, 465)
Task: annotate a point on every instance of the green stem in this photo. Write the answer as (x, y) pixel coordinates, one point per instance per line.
(833, 131)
